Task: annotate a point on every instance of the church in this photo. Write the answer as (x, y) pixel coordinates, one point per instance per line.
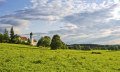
(33, 41)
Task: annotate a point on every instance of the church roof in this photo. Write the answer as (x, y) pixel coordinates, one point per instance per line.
(23, 38)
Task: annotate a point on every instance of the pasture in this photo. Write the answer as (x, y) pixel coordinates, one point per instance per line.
(22, 58)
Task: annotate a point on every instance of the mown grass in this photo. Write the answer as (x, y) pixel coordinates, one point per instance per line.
(22, 58)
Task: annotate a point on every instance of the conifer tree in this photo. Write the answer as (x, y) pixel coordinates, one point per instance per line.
(6, 36)
(12, 35)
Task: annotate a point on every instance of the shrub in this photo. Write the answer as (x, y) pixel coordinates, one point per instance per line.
(37, 62)
(96, 53)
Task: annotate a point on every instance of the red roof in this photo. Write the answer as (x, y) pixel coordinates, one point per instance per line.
(23, 38)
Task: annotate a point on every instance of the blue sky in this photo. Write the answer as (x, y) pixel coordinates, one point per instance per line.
(10, 6)
(76, 21)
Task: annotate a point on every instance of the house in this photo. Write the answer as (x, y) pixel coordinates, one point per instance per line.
(23, 39)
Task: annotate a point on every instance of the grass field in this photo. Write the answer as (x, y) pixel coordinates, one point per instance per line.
(21, 58)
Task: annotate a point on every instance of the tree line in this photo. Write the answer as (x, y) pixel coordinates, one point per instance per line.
(46, 41)
(93, 47)
(54, 43)
(7, 37)
(11, 37)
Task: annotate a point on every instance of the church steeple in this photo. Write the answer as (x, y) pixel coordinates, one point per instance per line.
(31, 39)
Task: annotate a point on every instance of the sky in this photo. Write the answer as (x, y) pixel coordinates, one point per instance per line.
(76, 21)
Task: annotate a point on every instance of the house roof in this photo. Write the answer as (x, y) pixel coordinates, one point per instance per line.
(23, 38)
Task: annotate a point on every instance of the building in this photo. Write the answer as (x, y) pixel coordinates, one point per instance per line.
(33, 42)
(23, 39)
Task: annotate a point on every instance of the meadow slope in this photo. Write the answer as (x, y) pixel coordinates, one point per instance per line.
(22, 58)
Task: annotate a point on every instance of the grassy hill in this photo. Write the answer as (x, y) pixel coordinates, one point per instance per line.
(22, 58)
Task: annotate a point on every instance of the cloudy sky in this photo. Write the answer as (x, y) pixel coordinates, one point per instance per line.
(76, 21)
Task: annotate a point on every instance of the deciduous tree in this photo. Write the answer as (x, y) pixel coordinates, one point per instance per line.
(44, 41)
(57, 43)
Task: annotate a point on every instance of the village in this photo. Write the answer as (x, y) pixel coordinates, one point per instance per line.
(8, 36)
(33, 42)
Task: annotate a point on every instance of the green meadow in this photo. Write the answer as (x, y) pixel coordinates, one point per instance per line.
(22, 58)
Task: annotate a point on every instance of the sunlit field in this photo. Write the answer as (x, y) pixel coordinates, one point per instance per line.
(22, 58)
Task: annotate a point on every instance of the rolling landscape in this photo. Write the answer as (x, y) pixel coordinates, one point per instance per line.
(59, 35)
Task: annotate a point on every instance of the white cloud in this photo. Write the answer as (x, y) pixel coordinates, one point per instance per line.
(56, 9)
(70, 26)
(17, 23)
(93, 27)
(116, 1)
(116, 12)
(84, 21)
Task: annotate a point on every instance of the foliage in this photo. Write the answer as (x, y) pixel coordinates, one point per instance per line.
(96, 52)
(22, 58)
(16, 39)
(57, 43)
(64, 46)
(44, 41)
(94, 47)
(40, 42)
(6, 36)
(12, 36)
(28, 42)
(1, 38)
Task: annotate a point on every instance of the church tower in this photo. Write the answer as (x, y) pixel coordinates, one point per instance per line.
(31, 39)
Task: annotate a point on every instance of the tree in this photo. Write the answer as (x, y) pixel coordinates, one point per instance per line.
(40, 42)
(64, 46)
(16, 39)
(1, 38)
(57, 43)
(6, 36)
(28, 42)
(44, 41)
(12, 36)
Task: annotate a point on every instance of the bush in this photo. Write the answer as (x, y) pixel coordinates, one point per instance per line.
(96, 53)
(37, 62)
